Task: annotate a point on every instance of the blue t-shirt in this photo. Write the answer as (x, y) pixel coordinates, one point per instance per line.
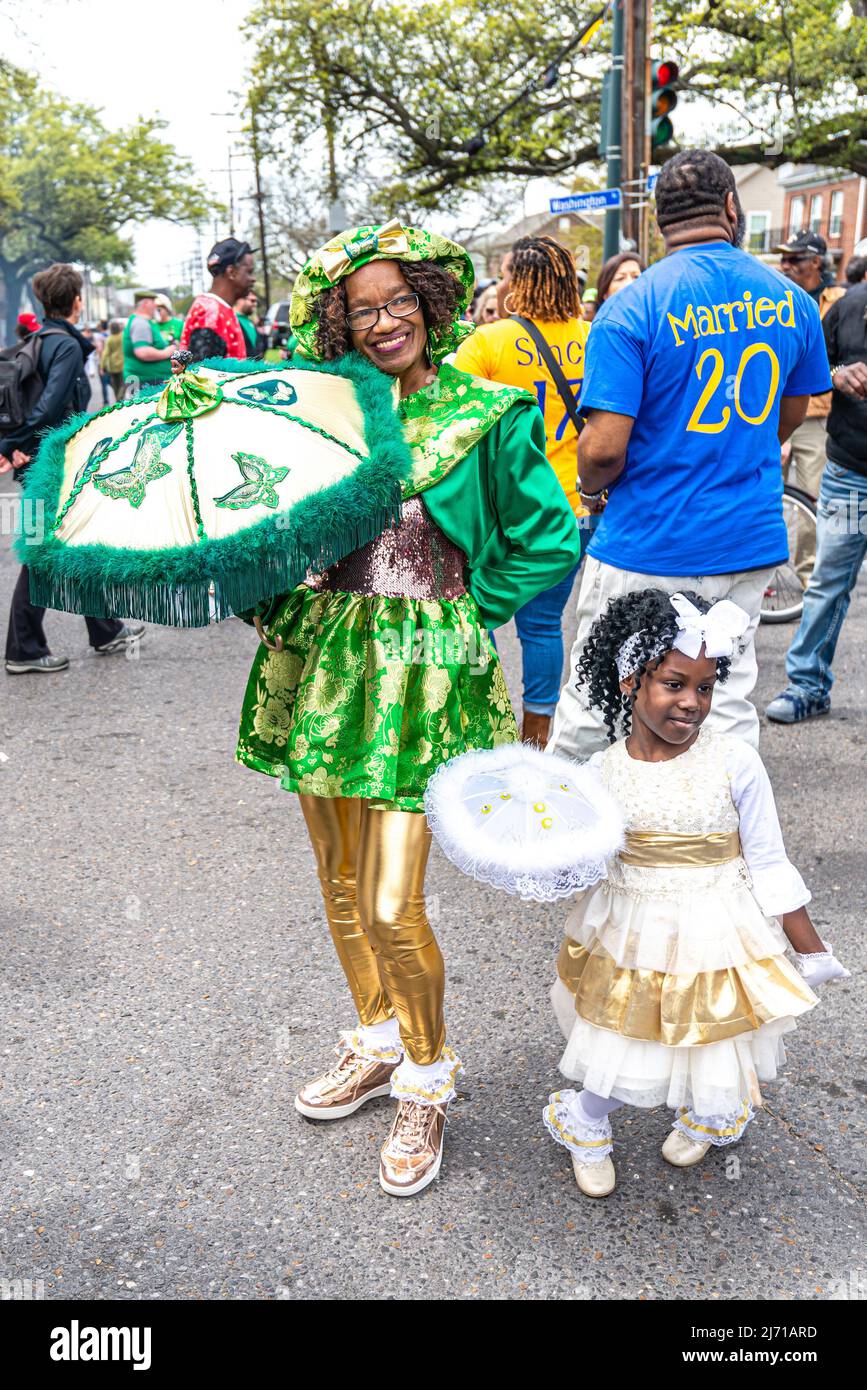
(699, 351)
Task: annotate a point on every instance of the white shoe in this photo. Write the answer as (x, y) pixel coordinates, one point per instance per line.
(594, 1179)
(682, 1151)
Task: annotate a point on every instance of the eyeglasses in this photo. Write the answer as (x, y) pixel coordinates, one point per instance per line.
(398, 308)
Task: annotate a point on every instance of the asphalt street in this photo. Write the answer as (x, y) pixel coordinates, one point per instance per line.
(168, 982)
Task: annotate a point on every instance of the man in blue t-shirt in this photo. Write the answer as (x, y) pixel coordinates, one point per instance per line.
(695, 374)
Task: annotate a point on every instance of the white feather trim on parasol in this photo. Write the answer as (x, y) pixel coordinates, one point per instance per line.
(536, 825)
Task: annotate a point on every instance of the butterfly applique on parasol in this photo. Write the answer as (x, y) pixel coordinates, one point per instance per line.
(147, 465)
(223, 490)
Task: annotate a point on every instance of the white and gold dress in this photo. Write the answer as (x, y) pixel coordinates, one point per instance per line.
(673, 987)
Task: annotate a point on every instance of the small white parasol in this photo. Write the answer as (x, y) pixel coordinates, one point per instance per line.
(537, 825)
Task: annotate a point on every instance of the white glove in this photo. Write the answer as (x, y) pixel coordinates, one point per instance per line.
(817, 967)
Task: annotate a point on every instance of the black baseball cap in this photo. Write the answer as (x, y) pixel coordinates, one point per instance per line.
(804, 244)
(226, 253)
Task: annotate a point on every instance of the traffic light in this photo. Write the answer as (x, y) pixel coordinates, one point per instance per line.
(663, 99)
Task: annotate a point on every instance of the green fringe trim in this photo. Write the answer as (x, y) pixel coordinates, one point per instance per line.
(194, 603)
(172, 585)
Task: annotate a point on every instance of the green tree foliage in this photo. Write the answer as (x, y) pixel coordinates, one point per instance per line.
(796, 70)
(404, 91)
(69, 186)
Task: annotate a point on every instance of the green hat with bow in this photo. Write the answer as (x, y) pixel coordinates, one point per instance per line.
(345, 253)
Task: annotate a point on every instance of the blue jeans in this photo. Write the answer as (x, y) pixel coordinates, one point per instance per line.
(540, 631)
(841, 544)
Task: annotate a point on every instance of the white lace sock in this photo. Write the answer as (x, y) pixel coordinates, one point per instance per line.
(381, 1034)
(433, 1084)
(566, 1120)
(378, 1042)
(718, 1130)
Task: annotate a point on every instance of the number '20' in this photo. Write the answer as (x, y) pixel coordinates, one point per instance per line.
(715, 357)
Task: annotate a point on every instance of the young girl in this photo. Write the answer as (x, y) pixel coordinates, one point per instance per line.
(673, 987)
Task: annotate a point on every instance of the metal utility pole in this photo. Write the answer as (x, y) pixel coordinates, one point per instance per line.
(336, 209)
(612, 135)
(231, 186)
(260, 198)
(635, 127)
(231, 197)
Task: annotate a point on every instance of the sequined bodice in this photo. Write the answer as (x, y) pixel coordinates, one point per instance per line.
(688, 795)
(411, 560)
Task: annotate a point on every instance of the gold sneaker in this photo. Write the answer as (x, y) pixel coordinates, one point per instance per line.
(413, 1151)
(345, 1088)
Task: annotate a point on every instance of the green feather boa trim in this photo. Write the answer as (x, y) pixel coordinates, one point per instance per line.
(172, 585)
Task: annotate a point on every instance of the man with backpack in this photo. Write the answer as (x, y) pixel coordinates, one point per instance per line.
(42, 383)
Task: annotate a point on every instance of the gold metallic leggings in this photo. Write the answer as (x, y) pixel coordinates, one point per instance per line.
(371, 868)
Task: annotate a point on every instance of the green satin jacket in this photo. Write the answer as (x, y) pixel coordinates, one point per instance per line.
(503, 506)
(500, 502)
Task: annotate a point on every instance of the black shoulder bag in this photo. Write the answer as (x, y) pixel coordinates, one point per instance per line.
(554, 368)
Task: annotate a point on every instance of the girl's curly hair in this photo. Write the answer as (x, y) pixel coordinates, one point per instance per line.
(438, 291)
(650, 613)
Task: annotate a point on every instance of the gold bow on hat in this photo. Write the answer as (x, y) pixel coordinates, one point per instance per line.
(338, 257)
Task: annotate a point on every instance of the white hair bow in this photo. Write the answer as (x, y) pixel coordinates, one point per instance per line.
(717, 628)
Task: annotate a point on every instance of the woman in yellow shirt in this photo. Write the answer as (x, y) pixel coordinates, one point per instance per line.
(542, 287)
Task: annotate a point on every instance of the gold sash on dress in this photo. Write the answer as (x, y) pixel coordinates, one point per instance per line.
(651, 849)
(680, 1010)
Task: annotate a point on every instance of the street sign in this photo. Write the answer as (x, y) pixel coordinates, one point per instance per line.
(587, 202)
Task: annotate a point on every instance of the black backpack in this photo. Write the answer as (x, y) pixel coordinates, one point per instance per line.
(20, 382)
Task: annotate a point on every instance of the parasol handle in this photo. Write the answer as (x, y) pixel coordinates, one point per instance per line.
(276, 645)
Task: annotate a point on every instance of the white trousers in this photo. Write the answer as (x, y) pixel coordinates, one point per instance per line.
(579, 731)
(808, 462)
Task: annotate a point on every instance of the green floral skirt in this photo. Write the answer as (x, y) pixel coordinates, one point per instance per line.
(370, 695)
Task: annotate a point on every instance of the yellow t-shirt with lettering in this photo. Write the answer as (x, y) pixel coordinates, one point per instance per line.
(504, 351)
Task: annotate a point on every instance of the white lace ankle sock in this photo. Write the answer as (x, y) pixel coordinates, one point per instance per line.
(719, 1130)
(376, 1041)
(429, 1084)
(568, 1119)
(387, 1031)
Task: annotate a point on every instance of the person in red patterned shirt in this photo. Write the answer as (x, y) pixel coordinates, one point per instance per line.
(211, 328)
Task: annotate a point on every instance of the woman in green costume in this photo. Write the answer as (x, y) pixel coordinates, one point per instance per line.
(377, 671)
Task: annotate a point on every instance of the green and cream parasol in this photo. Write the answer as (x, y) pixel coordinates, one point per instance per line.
(189, 506)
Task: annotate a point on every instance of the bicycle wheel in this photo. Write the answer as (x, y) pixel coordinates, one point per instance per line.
(784, 597)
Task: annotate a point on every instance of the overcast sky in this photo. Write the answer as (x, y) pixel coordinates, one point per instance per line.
(179, 59)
